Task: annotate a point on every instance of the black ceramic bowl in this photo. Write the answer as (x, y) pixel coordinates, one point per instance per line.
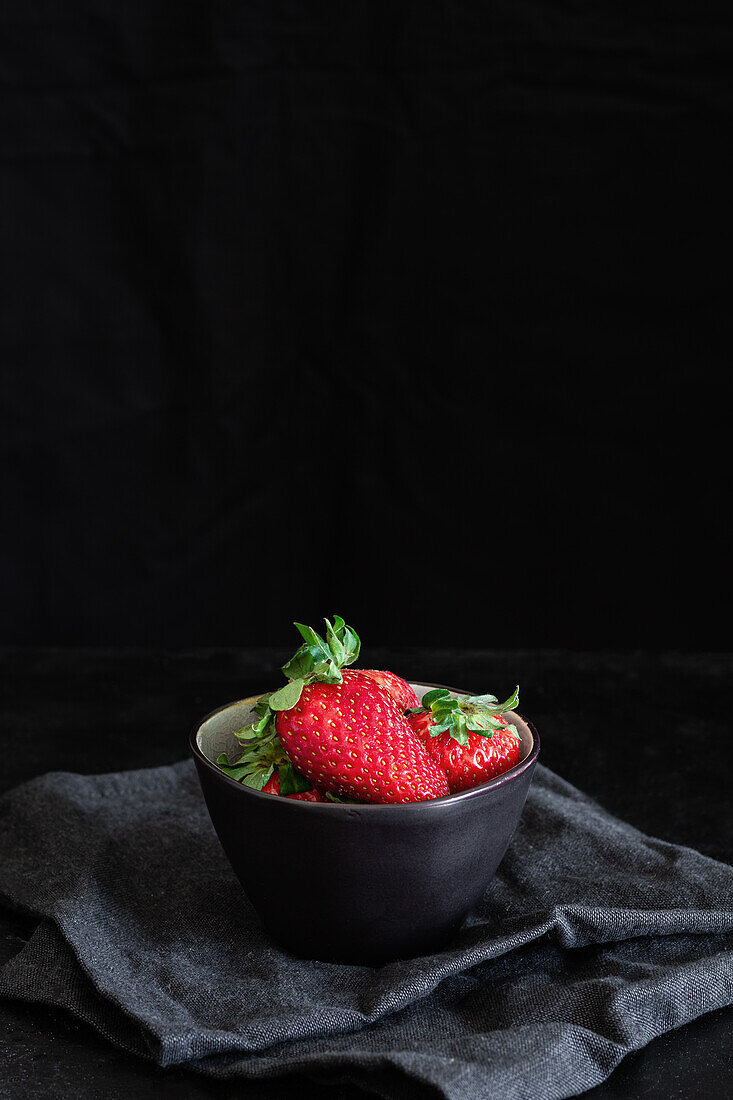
(359, 884)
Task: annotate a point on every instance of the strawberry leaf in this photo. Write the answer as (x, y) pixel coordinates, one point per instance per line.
(256, 729)
(263, 727)
(460, 732)
(509, 704)
(256, 764)
(291, 780)
(446, 706)
(351, 643)
(481, 722)
(437, 693)
(301, 664)
(311, 638)
(441, 727)
(335, 641)
(287, 697)
(232, 770)
(249, 733)
(257, 779)
(319, 660)
(326, 672)
(261, 706)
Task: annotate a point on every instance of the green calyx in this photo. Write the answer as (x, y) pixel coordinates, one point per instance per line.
(461, 715)
(317, 660)
(264, 753)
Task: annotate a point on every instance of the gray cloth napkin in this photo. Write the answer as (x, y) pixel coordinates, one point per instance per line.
(591, 940)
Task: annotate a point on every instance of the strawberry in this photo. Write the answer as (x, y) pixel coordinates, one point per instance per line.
(316, 660)
(395, 686)
(352, 739)
(272, 786)
(467, 736)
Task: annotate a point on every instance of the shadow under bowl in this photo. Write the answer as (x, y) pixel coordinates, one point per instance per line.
(361, 884)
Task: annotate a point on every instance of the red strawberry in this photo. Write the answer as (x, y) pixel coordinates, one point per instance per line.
(481, 757)
(395, 686)
(273, 787)
(352, 739)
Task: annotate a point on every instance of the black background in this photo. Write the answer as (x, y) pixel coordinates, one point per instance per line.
(410, 312)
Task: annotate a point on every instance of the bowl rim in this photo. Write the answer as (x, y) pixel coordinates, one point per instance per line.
(350, 808)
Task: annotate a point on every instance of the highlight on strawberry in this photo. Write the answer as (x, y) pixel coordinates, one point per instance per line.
(332, 733)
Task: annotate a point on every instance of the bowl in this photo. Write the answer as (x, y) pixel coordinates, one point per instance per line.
(361, 884)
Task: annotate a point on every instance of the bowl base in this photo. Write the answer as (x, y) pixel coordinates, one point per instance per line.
(360, 955)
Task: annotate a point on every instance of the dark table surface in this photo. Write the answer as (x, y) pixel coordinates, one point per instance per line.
(645, 734)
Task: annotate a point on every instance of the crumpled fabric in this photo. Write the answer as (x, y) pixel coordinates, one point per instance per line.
(591, 940)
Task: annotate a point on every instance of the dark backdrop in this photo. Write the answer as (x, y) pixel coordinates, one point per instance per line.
(413, 312)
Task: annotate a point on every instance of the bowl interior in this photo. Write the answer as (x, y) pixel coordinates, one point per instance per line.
(216, 734)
